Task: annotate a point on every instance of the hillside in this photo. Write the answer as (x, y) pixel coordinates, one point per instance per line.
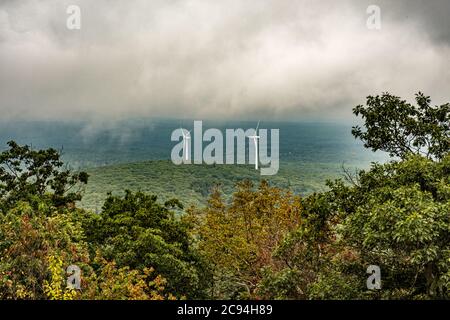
(192, 183)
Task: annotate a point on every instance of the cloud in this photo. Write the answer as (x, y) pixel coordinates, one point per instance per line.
(228, 59)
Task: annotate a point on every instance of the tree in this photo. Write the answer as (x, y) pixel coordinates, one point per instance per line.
(34, 175)
(36, 247)
(303, 253)
(138, 232)
(394, 215)
(397, 217)
(399, 128)
(29, 237)
(111, 282)
(238, 238)
(403, 225)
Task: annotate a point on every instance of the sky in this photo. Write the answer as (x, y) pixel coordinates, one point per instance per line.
(203, 59)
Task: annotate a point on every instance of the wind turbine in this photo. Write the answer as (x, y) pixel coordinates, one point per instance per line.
(186, 138)
(255, 141)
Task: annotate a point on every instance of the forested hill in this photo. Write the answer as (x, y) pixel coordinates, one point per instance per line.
(192, 183)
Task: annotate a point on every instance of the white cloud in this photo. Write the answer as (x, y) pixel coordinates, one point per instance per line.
(205, 59)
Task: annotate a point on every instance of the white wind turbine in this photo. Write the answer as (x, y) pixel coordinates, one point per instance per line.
(186, 138)
(255, 141)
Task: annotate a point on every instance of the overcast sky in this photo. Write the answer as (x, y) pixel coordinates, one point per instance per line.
(254, 59)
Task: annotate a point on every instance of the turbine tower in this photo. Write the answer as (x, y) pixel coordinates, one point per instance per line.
(186, 138)
(255, 141)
